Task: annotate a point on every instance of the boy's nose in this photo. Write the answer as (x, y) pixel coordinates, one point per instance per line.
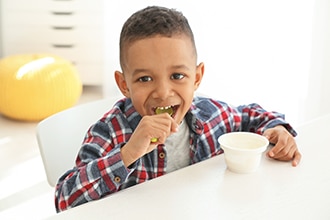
(162, 91)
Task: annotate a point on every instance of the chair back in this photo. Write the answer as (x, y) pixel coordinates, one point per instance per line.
(60, 135)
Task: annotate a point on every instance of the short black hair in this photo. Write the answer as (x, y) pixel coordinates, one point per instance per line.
(152, 21)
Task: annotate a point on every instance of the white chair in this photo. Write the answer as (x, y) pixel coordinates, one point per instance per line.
(60, 135)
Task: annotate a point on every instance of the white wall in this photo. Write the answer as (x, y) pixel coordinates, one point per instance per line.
(254, 51)
(318, 96)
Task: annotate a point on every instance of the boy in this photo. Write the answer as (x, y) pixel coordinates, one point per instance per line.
(160, 127)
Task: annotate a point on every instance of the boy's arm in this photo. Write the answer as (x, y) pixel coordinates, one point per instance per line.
(275, 128)
(101, 164)
(256, 119)
(99, 171)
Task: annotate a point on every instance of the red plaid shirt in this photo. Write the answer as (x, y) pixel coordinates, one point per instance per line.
(100, 171)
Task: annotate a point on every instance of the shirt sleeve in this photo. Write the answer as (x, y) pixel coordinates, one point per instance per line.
(256, 119)
(99, 170)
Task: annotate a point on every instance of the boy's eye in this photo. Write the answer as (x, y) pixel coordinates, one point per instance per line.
(177, 76)
(144, 79)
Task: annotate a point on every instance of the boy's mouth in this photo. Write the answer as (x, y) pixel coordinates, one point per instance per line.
(171, 110)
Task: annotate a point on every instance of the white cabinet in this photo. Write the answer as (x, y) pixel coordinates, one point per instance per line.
(72, 29)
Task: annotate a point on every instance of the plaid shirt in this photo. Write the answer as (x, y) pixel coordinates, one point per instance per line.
(100, 170)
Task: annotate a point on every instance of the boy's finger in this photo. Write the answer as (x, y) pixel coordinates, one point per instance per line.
(270, 135)
(174, 127)
(296, 159)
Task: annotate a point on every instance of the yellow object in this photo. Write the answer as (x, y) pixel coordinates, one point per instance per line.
(35, 86)
(154, 140)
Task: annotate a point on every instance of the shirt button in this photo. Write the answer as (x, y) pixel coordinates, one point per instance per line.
(161, 155)
(117, 179)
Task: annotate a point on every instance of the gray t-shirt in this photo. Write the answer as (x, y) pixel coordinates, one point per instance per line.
(177, 146)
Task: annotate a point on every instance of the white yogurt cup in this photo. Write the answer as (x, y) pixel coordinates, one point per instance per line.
(243, 150)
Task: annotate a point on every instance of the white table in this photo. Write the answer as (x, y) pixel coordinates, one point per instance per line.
(207, 190)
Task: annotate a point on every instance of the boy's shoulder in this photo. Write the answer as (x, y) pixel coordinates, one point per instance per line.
(205, 107)
(206, 102)
(122, 106)
(122, 111)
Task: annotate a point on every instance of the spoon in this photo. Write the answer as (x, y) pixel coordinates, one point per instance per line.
(161, 110)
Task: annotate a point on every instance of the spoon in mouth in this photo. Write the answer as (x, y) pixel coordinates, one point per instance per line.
(161, 110)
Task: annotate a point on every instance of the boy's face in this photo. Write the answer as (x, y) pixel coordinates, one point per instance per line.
(160, 72)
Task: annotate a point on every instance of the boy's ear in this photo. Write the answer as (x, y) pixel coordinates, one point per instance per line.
(121, 83)
(199, 75)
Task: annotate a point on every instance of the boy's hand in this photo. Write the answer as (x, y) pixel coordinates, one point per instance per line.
(285, 148)
(151, 126)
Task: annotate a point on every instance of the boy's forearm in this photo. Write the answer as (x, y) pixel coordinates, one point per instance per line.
(94, 178)
(255, 118)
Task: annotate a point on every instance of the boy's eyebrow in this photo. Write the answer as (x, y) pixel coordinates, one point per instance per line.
(174, 67)
(137, 71)
(182, 66)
